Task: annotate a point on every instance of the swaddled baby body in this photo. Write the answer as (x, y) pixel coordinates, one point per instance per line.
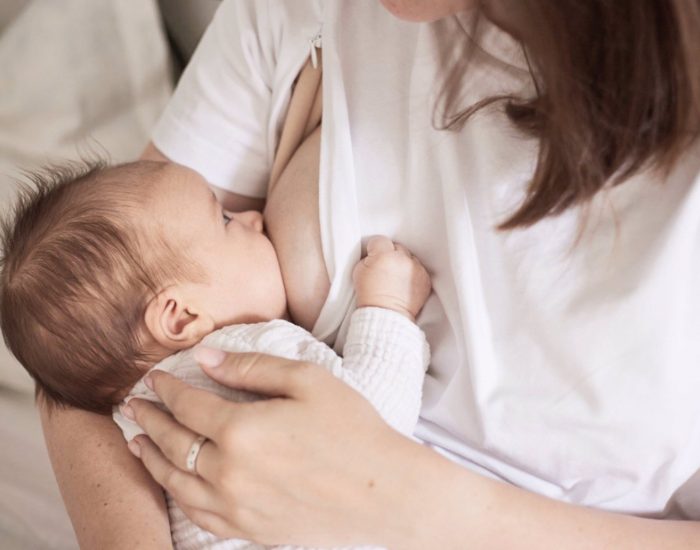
(109, 272)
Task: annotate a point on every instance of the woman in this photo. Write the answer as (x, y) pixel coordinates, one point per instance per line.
(559, 220)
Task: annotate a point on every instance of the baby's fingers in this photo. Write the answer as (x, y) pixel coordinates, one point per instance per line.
(379, 244)
(401, 248)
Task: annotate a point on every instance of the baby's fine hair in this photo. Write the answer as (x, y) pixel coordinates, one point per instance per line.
(78, 269)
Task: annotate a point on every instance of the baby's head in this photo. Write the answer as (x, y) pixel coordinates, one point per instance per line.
(107, 270)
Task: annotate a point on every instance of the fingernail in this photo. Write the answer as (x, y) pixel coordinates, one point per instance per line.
(209, 357)
(149, 382)
(134, 447)
(128, 412)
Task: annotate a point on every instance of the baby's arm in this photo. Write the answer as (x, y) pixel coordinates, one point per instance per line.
(385, 353)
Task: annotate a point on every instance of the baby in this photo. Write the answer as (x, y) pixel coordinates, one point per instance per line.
(109, 272)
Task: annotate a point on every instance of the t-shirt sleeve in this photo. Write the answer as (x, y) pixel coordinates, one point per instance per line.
(216, 120)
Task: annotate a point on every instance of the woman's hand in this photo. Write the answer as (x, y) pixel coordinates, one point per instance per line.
(313, 465)
(316, 466)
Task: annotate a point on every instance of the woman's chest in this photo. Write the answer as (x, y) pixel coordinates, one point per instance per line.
(291, 217)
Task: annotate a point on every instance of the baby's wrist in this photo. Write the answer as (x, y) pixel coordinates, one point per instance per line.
(387, 304)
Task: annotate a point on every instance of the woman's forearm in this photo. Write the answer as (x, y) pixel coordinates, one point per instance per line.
(111, 499)
(452, 507)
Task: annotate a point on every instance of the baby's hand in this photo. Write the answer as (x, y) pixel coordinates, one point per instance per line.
(390, 277)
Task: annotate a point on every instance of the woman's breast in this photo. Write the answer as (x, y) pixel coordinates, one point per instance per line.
(292, 221)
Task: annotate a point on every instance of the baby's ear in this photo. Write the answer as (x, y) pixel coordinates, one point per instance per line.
(175, 322)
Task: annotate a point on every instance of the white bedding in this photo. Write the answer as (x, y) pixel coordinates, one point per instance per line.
(75, 76)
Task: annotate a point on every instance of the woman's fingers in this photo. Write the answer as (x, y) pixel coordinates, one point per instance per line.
(201, 411)
(190, 489)
(173, 440)
(196, 411)
(264, 374)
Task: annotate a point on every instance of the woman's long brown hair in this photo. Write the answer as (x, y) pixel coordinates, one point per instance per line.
(618, 92)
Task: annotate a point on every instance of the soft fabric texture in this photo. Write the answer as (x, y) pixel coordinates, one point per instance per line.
(384, 358)
(564, 362)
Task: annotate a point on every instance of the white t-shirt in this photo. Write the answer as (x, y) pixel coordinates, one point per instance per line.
(567, 367)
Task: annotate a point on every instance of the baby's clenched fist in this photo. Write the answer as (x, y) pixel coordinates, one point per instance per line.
(390, 277)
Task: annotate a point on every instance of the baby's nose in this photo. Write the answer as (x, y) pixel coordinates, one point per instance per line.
(251, 218)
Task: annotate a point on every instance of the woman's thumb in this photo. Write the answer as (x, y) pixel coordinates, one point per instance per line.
(209, 357)
(255, 372)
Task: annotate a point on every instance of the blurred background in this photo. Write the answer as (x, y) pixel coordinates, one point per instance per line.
(76, 77)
